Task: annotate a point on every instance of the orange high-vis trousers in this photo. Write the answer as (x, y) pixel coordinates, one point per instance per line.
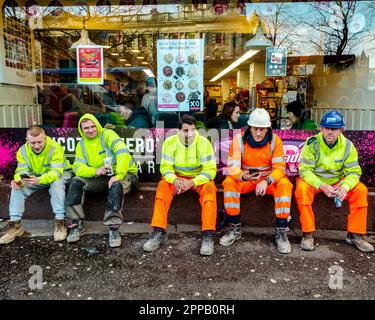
(281, 190)
(164, 197)
(357, 198)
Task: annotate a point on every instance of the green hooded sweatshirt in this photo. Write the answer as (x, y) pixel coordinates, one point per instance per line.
(90, 153)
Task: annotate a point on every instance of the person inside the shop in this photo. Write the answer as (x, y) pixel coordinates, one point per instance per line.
(228, 118)
(329, 164)
(299, 116)
(149, 100)
(211, 109)
(102, 163)
(41, 164)
(187, 162)
(256, 163)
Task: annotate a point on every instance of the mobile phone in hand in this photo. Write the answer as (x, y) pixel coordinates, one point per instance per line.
(25, 176)
(253, 171)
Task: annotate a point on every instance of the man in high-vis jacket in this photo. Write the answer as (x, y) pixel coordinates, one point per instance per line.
(187, 162)
(41, 164)
(329, 164)
(256, 162)
(92, 174)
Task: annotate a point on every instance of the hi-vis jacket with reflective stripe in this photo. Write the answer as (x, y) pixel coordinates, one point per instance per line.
(269, 159)
(90, 153)
(48, 165)
(195, 161)
(320, 164)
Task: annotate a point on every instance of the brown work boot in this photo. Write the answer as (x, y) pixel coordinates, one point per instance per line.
(14, 230)
(307, 242)
(60, 230)
(359, 241)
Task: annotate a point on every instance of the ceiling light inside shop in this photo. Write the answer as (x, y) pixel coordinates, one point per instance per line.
(114, 54)
(235, 64)
(83, 41)
(144, 62)
(128, 65)
(135, 50)
(122, 59)
(140, 57)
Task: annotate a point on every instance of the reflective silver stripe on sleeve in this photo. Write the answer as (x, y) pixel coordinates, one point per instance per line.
(347, 149)
(24, 155)
(351, 164)
(186, 168)
(206, 175)
(327, 175)
(307, 161)
(277, 159)
(232, 194)
(208, 158)
(131, 163)
(114, 143)
(354, 174)
(80, 160)
(124, 150)
(83, 149)
(273, 142)
(316, 147)
(75, 169)
(167, 172)
(22, 165)
(50, 153)
(168, 158)
(57, 165)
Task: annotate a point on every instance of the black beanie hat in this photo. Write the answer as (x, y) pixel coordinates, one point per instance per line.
(296, 107)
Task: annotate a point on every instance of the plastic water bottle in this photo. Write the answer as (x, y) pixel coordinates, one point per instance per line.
(337, 202)
(108, 166)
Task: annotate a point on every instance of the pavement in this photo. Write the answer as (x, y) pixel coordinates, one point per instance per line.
(34, 267)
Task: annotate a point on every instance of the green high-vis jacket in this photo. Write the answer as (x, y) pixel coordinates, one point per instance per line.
(90, 153)
(320, 164)
(195, 161)
(48, 165)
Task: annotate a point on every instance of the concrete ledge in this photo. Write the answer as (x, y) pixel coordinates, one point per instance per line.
(185, 208)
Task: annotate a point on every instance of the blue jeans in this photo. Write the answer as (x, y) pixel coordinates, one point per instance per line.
(56, 190)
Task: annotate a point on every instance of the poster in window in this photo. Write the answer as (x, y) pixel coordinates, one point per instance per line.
(90, 65)
(180, 74)
(275, 62)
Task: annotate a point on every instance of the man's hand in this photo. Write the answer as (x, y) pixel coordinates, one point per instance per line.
(341, 193)
(178, 185)
(254, 176)
(17, 185)
(102, 171)
(260, 189)
(328, 190)
(31, 181)
(111, 181)
(187, 184)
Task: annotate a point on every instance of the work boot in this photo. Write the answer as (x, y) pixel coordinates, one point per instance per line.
(359, 241)
(158, 237)
(233, 234)
(114, 238)
(307, 242)
(60, 230)
(207, 247)
(282, 242)
(76, 230)
(14, 230)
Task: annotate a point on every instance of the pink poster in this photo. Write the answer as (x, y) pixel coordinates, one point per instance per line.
(90, 65)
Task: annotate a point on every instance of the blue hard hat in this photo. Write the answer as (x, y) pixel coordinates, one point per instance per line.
(332, 119)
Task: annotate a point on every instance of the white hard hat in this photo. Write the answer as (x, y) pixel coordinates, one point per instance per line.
(259, 118)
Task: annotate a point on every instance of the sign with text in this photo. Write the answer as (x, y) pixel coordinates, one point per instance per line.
(90, 65)
(275, 62)
(180, 74)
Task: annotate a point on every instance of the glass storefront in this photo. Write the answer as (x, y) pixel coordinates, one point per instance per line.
(135, 63)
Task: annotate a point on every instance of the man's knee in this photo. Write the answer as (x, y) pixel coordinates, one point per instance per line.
(75, 192)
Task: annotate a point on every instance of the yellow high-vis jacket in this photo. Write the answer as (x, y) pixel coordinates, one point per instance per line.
(48, 165)
(320, 164)
(195, 161)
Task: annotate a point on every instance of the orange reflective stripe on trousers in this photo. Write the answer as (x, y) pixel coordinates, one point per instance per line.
(164, 196)
(357, 198)
(281, 190)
